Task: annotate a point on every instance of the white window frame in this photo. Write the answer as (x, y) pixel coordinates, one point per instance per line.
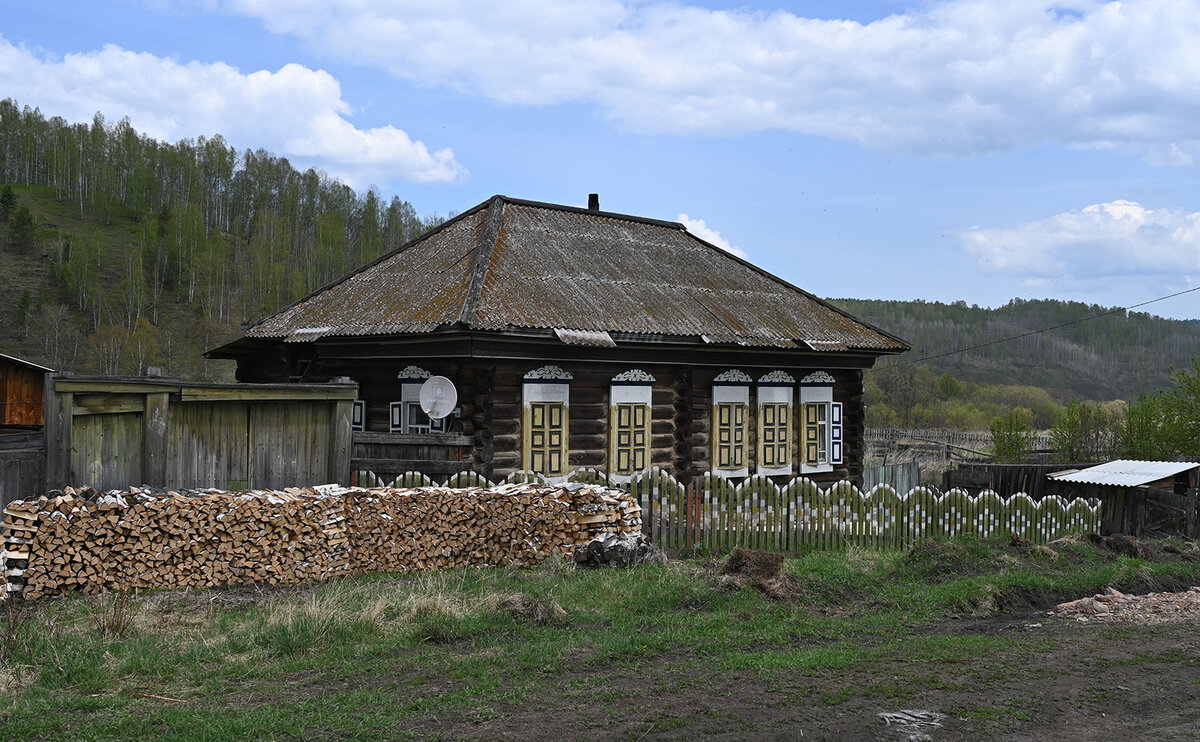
(634, 386)
(411, 379)
(731, 387)
(817, 389)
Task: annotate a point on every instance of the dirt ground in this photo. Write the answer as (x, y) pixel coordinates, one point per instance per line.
(1056, 679)
(1059, 680)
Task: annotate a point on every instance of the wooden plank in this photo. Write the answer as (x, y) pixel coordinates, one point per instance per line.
(111, 386)
(107, 403)
(156, 419)
(340, 440)
(58, 435)
(398, 466)
(430, 439)
(266, 392)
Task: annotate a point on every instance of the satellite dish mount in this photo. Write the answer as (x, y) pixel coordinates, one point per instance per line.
(438, 397)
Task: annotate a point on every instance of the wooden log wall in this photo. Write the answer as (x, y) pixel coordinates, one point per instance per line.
(91, 541)
(490, 394)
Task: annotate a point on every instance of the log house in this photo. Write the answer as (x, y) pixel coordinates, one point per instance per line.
(581, 338)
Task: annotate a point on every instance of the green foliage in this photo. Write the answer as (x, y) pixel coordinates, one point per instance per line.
(1088, 432)
(23, 308)
(1165, 425)
(906, 395)
(21, 226)
(193, 237)
(1117, 356)
(8, 199)
(948, 386)
(1012, 436)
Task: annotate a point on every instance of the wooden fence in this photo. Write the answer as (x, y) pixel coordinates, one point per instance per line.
(716, 514)
(22, 464)
(114, 432)
(977, 439)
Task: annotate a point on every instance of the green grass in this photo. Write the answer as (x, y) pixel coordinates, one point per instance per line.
(360, 658)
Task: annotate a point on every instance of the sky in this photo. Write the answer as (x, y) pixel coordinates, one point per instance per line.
(945, 151)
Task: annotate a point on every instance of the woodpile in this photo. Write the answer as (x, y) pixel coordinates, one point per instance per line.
(396, 530)
(85, 540)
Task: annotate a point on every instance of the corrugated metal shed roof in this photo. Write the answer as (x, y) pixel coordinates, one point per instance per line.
(519, 264)
(1127, 473)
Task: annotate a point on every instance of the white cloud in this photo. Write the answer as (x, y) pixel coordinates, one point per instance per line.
(295, 112)
(957, 77)
(708, 234)
(1119, 239)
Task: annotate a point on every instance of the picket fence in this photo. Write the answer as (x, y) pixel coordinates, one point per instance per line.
(718, 515)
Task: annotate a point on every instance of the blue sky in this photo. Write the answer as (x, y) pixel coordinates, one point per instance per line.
(929, 150)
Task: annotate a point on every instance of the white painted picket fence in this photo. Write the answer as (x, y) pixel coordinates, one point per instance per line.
(718, 515)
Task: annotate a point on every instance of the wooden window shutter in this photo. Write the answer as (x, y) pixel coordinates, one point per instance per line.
(812, 433)
(630, 437)
(835, 432)
(396, 422)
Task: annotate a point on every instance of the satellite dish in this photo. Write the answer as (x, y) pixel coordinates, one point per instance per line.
(438, 397)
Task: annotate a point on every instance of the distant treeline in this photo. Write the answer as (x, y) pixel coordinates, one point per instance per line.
(134, 228)
(1120, 356)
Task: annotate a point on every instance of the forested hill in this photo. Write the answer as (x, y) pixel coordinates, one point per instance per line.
(1115, 357)
(119, 252)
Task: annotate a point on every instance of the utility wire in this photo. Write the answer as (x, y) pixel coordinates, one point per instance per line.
(1116, 310)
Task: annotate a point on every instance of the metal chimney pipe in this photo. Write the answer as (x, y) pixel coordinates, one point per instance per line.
(593, 202)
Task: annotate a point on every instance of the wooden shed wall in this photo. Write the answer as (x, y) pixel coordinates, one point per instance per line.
(113, 433)
(21, 394)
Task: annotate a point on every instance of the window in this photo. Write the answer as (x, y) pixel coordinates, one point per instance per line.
(358, 416)
(731, 435)
(630, 398)
(822, 424)
(775, 394)
(631, 438)
(545, 414)
(731, 402)
(407, 415)
(546, 433)
(776, 440)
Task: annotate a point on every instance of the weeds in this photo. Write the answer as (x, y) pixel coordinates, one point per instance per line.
(116, 615)
(15, 626)
(474, 640)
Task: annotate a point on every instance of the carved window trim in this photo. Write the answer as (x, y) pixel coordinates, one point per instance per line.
(545, 422)
(631, 400)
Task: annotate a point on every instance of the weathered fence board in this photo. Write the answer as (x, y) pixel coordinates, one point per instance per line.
(112, 433)
(22, 464)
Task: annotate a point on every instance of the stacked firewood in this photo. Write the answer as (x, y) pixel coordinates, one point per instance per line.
(90, 541)
(19, 528)
(432, 527)
(140, 538)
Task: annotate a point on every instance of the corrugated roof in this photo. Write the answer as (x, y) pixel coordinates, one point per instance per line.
(509, 263)
(1126, 472)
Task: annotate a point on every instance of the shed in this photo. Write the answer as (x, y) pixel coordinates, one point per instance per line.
(1159, 496)
(581, 338)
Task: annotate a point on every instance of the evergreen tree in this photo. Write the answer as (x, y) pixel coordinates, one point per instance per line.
(8, 200)
(21, 227)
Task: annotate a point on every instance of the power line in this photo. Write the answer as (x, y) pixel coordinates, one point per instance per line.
(1045, 329)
